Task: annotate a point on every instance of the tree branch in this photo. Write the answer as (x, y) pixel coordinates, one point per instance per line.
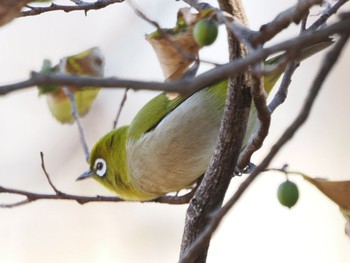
(190, 84)
(283, 20)
(30, 197)
(217, 216)
(262, 129)
(327, 14)
(79, 6)
(281, 94)
(75, 115)
(121, 106)
(211, 191)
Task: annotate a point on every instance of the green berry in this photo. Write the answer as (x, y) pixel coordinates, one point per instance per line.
(205, 32)
(288, 194)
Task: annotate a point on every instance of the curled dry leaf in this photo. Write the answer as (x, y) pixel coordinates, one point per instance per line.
(175, 53)
(9, 9)
(176, 48)
(337, 191)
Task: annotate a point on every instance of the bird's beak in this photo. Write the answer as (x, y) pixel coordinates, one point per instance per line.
(85, 175)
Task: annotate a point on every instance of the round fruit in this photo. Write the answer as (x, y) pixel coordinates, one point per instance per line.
(205, 32)
(288, 194)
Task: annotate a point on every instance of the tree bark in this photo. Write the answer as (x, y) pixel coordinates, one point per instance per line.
(211, 192)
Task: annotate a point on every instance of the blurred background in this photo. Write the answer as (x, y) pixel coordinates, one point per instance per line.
(258, 228)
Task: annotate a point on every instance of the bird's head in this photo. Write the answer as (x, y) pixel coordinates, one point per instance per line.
(108, 163)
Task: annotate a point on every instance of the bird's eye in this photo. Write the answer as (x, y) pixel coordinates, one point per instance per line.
(100, 167)
(98, 61)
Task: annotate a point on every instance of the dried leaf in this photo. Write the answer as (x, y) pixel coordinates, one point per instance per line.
(337, 191)
(176, 48)
(175, 53)
(9, 9)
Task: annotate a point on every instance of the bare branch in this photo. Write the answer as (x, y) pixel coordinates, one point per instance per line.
(77, 121)
(189, 84)
(31, 197)
(283, 20)
(327, 14)
(281, 94)
(262, 129)
(59, 195)
(79, 6)
(217, 216)
(58, 192)
(212, 189)
(121, 106)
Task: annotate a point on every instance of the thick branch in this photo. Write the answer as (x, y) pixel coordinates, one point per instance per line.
(211, 191)
(216, 217)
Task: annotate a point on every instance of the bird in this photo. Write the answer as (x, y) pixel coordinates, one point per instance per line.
(168, 145)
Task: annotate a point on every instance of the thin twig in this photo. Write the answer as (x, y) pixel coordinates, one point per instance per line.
(121, 106)
(284, 170)
(304, 22)
(31, 197)
(281, 94)
(75, 115)
(59, 195)
(283, 20)
(58, 192)
(217, 216)
(262, 129)
(11, 205)
(327, 14)
(80, 6)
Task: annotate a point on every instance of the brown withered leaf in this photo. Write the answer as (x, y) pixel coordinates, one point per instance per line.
(175, 53)
(9, 9)
(176, 48)
(337, 191)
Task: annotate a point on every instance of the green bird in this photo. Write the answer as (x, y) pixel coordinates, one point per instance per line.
(169, 143)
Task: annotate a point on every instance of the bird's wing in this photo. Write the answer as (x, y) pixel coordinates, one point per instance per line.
(153, 112)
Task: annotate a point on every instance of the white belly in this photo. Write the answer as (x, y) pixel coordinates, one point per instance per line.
(178, 151)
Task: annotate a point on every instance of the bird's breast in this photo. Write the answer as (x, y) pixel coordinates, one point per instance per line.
(177, 152)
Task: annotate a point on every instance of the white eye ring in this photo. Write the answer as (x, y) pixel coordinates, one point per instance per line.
(100, 167)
